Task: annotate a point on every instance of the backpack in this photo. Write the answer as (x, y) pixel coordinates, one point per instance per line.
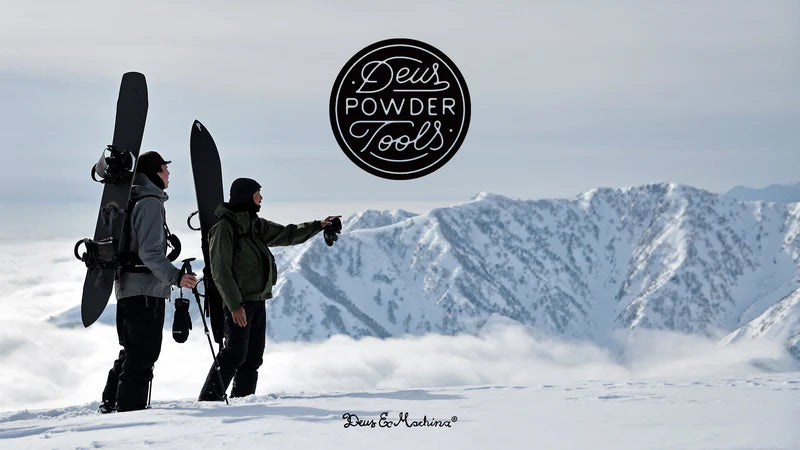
(106, 254)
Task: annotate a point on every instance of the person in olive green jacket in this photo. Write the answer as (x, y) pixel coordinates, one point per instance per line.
(244, 271)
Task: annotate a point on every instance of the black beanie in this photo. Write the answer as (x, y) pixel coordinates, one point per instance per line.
(242, 190)
(149, 164)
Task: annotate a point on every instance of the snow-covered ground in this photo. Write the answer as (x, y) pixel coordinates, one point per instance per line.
(759, 411)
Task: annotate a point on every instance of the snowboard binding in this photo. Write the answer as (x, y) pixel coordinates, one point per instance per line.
(114, 165)
(100, 254)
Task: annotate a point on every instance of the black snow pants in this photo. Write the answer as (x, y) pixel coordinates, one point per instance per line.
(241, 355)
(140, 321)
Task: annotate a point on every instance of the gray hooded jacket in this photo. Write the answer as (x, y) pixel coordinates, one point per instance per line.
(148, 239)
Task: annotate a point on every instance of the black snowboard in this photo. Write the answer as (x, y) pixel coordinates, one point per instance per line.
(128, 131)
(207, 172)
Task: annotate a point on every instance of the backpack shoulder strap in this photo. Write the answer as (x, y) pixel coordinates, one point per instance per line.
(129, 219)
(129, 258)
(235, 227)
(238, 236)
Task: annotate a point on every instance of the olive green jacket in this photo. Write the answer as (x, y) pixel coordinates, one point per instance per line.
(241, 263)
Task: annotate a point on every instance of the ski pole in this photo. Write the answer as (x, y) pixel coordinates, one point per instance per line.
(187, 268)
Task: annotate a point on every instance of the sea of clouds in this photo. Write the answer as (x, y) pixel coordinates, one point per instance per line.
(42, 365)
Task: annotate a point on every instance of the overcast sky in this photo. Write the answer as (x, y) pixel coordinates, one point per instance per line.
(566, 96)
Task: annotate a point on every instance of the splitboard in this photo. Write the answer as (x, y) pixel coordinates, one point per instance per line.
(207, 172)
(115, 170)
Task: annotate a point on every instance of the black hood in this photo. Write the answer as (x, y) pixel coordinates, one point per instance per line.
(241, 195)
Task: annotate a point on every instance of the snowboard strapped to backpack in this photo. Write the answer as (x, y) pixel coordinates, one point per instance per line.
(115, 170)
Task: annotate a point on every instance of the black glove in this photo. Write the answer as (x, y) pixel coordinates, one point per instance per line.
(182, 322)
(330, 232)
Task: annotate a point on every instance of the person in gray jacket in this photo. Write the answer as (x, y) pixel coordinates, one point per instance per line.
(141, 288)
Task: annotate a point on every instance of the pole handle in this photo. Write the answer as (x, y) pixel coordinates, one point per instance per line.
(187, 265)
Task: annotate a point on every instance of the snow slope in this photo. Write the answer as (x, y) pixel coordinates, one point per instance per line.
(758, 411)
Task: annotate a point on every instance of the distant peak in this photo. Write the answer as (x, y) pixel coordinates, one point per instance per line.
(371, 218)
(489, 196)
(776, 193)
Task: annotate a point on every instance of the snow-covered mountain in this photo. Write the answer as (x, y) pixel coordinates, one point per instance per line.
(780, 322)
(660, 256)
(779, 193)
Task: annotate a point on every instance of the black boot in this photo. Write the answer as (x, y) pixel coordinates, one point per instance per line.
(107, 407)
(110, 391)
(132, 396)
(244, 383)
(211, 391)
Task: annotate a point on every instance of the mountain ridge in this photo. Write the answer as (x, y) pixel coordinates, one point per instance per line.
(662, 256)
(658, 256)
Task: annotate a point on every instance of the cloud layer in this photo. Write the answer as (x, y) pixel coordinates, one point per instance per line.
(46, 366)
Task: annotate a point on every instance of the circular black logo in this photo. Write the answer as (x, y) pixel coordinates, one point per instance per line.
(400, 109)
